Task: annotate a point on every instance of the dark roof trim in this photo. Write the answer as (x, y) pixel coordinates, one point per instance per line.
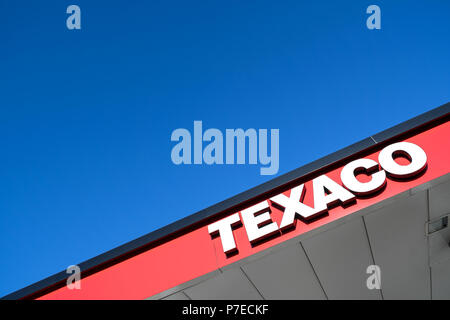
(140, 244)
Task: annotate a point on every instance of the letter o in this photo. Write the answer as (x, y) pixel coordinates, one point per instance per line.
(415, 153)
(349, 180)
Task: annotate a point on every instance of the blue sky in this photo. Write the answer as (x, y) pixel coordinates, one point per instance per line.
(86, 115)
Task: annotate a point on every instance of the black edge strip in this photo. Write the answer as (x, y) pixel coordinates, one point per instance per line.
(415, 122)
(94, 264)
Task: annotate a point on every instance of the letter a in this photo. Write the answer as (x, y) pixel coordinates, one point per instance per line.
(374, 21)
(74, 20)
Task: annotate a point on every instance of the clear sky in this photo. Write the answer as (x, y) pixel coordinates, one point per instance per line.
(86, 115)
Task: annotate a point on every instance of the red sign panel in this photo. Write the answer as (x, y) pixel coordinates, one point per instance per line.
(196, 253)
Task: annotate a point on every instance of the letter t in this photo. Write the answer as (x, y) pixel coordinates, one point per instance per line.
(224, 228)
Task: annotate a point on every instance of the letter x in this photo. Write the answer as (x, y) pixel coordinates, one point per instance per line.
(293, 206)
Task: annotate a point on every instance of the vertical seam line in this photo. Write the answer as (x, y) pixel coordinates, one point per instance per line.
(314, 271)
(371, 253)
(251, 282)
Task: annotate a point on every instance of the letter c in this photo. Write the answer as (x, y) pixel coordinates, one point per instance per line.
(348, 177)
